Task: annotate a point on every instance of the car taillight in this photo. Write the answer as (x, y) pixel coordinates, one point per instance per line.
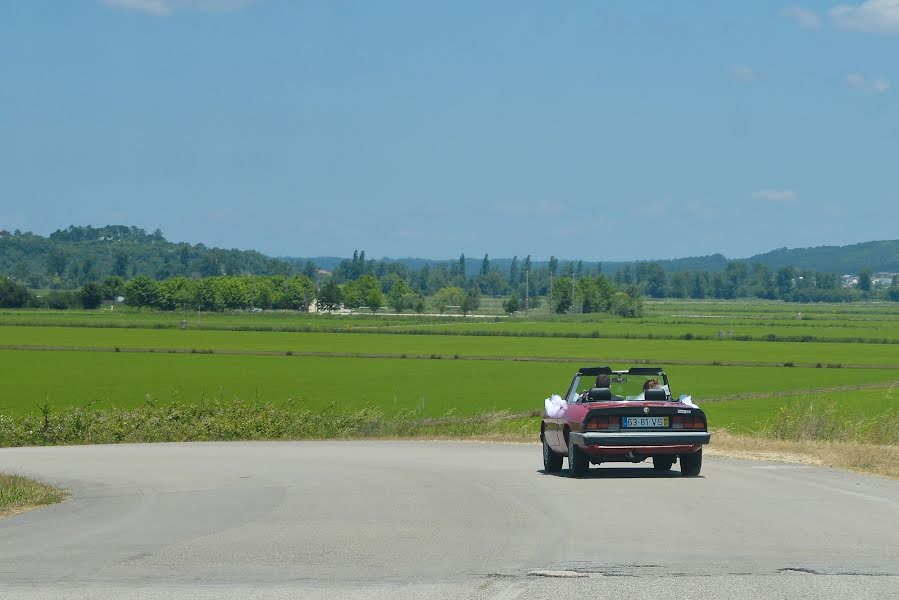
(598, 423)
(688, 423)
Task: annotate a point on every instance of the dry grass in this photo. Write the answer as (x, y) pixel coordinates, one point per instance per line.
(19, 494)
(866, 458)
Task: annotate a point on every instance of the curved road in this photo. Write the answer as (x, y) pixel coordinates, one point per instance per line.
(438, 520)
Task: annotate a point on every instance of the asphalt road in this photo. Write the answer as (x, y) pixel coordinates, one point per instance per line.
(438, 520)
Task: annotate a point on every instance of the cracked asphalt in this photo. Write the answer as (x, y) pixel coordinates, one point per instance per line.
(403, 519)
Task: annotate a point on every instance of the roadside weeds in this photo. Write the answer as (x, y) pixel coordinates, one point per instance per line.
(19, 494)
(873, 459)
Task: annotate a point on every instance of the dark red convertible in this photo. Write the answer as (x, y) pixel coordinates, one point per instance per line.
(623, 416)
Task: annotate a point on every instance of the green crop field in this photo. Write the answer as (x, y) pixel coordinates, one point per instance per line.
(855, 412)
(754, 321)
(431, 387)
(608, 350)
(407, 364)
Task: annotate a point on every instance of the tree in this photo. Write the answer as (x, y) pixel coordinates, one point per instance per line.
(514, 275)
(112, 287)
(699, 285)
(91, 296)
(512, 305)
(563, 295)
(310, 270)
(141, 291)
(120, 267)
(399, 296)
(680, 285)
(471, 302)
(329, 296)
(628, 303)
(299, 292)
(864, 279)
(12, 295)
(447, 296)
(595, 293)
(352, 296)
(369, 289)
(493, 284)
(653, 280)
(485, 265)
(784, 281)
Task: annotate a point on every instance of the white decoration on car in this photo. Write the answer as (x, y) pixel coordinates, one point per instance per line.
(688, 400)
(555, 406)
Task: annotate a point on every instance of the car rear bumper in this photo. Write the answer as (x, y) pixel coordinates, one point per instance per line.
(641, 438)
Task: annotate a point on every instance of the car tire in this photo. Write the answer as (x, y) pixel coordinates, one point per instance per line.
(578, 463)
(552, 462)
(662, 463)
(691, 464)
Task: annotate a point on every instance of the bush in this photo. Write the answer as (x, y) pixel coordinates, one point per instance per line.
(222, 420)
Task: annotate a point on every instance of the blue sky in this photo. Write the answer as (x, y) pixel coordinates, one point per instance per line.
(594, 129)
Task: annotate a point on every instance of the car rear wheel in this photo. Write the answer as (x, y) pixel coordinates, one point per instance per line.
(552, 462)
(662, 463)
(578, 463)
(691, 464)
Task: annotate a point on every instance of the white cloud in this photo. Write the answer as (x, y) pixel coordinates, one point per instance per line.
(874, 86)
(776, 195)
(805, 18)
(164, 8)
(880, 85)
(874, 16)
(744, 74)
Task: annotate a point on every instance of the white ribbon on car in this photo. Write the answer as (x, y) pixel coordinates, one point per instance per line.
(688, 400)
(555, 406)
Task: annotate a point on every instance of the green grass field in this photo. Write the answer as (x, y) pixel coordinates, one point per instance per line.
(615, 350)
(520, 361)
(853, 414)
(430, 387)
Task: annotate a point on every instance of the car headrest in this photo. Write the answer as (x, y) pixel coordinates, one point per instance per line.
(655, 394)
(599, 395)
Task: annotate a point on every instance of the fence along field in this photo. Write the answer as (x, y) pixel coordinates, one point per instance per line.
(430, 388)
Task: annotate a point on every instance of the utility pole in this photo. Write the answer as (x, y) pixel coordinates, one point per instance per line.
(527, 290)
(550, 291)
(573, 288)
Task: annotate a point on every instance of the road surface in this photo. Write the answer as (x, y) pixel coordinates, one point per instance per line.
(438, 520)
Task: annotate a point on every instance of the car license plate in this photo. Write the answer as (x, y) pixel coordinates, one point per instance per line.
(643, 422)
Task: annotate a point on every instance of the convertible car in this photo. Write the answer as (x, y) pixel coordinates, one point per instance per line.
(622, 416)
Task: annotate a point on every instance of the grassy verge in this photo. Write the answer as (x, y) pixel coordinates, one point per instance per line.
(222, 420)
(877, 459)
(18, 494)
(805, 431)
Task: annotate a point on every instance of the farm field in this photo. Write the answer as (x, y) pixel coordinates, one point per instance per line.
(550, 348)
(432, 388)
(406, 365)
(764, 322)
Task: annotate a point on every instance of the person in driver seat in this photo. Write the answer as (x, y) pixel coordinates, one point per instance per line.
(602, 381)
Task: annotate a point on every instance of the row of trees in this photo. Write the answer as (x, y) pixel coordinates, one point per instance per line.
(72, 257)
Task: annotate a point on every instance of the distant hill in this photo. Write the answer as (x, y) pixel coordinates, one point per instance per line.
(71, 257)
(74, 256)
(879, 256)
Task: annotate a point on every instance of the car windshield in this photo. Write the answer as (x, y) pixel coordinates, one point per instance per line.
(626, 386)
